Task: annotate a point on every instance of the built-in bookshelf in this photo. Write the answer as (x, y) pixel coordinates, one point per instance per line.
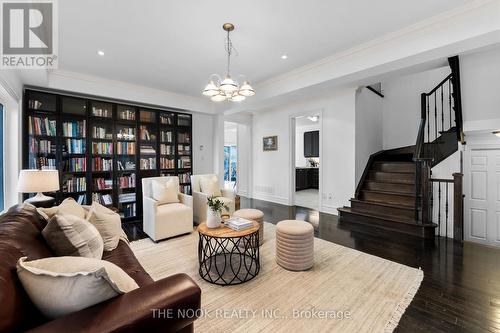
(104, 148)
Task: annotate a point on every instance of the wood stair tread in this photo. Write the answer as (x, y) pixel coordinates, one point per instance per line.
(385, 204)
(382, 216)
(390, 192)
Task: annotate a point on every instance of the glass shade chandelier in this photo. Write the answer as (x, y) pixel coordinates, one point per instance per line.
(227, 89)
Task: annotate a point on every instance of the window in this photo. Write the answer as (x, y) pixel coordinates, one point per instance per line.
(230, 153)
(1, 159)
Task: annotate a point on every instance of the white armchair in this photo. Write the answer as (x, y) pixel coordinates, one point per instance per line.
(162, 221)
(200, 199)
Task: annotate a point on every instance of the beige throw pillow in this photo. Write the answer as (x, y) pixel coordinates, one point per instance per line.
(108, 223)
(165, 192)
(210, 186)
(68, 207)
(69, 235)
(62, 285)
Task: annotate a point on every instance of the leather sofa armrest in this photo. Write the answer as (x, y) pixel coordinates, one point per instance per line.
(228, 193)
(153, 308)
(186, 199)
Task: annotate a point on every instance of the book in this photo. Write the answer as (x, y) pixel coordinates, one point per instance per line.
(238, 224)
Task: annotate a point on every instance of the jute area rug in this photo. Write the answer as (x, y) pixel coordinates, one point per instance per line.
(345, 291)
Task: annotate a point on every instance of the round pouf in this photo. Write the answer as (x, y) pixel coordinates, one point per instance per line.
(253, 215)
(295, 245)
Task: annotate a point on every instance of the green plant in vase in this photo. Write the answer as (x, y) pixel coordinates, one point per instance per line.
(214, 210)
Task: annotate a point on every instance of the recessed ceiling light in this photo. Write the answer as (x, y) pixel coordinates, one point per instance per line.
(284, 57)
(101, 53)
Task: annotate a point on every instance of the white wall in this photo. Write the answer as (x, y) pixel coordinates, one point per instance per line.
(300, 160)
(244, 159)
(402, 105)
(272, 171)
(369, 128)
(480, 76)
(203, 150)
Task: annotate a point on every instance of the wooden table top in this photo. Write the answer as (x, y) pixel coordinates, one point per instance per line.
(226, 232)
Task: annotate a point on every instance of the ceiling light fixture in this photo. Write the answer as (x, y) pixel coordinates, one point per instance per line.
(284, 57)
(497, 133)
(227, 89)
(101, 53)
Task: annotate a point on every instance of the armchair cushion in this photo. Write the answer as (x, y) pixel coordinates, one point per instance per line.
(210, 186)
(165, 192)
(62, 285)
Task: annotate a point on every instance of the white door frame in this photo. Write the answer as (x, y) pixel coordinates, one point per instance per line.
(291, 153)
(467, 187)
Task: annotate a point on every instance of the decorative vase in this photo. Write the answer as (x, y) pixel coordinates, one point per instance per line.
(213, 218)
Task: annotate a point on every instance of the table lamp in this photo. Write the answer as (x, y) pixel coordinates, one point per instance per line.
(38, 181)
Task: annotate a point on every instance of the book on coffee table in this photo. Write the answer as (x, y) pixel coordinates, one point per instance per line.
(238, 224)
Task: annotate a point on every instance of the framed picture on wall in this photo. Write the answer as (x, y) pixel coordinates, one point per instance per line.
(270, 143)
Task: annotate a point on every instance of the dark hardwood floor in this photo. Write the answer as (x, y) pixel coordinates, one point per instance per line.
(461, 287)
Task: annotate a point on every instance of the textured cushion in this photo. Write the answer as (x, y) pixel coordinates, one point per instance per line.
(295, 245)
(108, 223)
(68, 206)
(210, 186)
(295, 227)
(250, 214)
(69, 235)
(61, 285)
(164, 192)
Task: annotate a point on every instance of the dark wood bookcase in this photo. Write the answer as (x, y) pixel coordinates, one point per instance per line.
(104, 147)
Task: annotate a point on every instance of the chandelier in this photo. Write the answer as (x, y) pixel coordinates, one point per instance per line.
(227, 89)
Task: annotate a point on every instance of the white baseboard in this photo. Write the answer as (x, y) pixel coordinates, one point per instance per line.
(271, 198)
(329, 209)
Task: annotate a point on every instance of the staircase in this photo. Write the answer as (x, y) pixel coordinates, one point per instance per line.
(393, 192)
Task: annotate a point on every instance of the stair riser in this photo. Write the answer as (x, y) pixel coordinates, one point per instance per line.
(370, 208)
(405, 178)
(400, 188)
(415, 230)
(394, 167)
(388, 198)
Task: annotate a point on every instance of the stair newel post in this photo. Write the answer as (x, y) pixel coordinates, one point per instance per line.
(458, 207)
(425, 192)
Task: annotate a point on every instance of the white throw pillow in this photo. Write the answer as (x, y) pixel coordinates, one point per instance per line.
(68, 207)
(108, 223)
(62, 285)
(165, 192)
(210, 186)
(69, 235)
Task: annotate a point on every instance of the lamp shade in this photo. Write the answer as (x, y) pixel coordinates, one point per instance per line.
(246, 90)
(228, 85)
(34, 181)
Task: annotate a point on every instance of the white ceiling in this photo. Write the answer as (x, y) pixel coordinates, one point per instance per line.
(176, 45)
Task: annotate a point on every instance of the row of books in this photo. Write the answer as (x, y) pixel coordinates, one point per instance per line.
(126, 197)
(41, 126)
(75, 185)
(74, 128)
(145, 149)
(98, 112)
(144, 133)
(125, 148)
(102, 148)
(184, 149)
(147, 116)
(99, 132)
(127, 181)
(167, 163)
(128, 165)
(184, 162)
(186, 189)
(128, 210)
(103, 199)
(167, 120)
(126, 133)
(183, 138)
(42, 146)
(82, 199)
(148, 163)
(34, 104)
(184, 177)
(102, 164)
(166, 149)
(166, 136)
(42, 163)
(126, 114)
(75, 146)
(75, 164)
(103, 184)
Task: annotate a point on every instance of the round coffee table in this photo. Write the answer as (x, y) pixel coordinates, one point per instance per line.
(226, 256)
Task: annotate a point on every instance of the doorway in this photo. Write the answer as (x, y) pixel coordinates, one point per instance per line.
(230, 155)
(307, 160)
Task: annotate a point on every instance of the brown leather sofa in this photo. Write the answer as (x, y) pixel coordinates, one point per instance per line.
(20, 235)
